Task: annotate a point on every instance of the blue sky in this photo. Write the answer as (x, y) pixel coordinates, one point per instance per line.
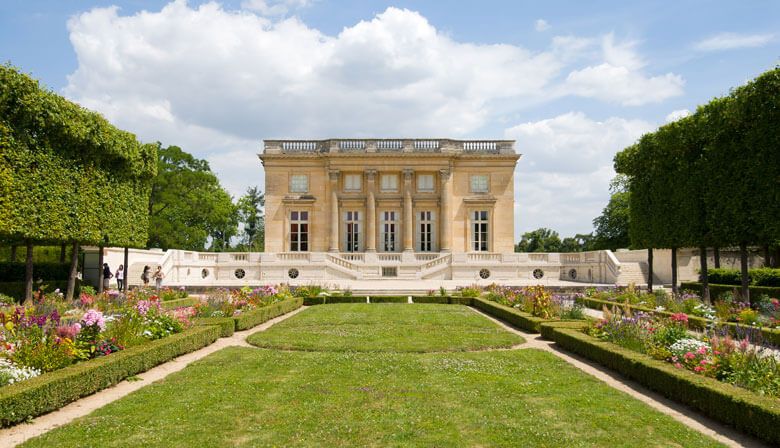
(573, 82)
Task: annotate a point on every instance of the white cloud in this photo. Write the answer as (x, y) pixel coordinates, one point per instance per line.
(730, 41)
(541, 25)
(217, 82)
(620, 79)
(275, 7)
(677, 114)
(563, 176)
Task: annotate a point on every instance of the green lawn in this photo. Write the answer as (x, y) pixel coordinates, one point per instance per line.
(386, 327)
(247, 397)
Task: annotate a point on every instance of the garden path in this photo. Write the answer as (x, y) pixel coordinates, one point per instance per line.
(723, 434)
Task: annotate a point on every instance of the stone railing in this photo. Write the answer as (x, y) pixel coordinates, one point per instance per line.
(353, 256)
(388, 257)
(483, 256)
(294, 256)
(390, 145)
(425, 256)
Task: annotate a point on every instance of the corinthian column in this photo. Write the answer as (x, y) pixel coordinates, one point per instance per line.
(371, 212)
(445, 244)
(333, 243)
(408, 227)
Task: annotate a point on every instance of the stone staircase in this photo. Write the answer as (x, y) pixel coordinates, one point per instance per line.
(632, 272)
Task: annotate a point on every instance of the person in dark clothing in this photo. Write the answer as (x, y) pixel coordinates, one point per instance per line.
(107, 275)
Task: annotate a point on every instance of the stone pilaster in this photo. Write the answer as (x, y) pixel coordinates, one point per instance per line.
(333, 243)
(445, 233)
(408, 218)
(370, 211)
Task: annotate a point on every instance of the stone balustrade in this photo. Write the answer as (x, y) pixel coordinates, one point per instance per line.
(389, 145)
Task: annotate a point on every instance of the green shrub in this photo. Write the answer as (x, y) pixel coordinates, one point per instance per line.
(16, 289)
(258, 316)
(512, 316)
(747, 411)
(45, 393)
(431, 299)
(758, 276)
(15, 271)
(718, 290)
(226, 324)
(178, 303)
(765, 277)
(724, 276)
(389, 299)
(321, 300)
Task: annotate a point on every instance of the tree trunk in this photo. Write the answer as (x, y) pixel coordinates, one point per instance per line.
(650, 269)
(743, 261)
(100, 270)
(767, 260)
(777, 258)
(13, 253)
(674, 270)
(28, 273)
(716, 255)
(705, 282)
(62, 253)
(74, 268)
(126, 269)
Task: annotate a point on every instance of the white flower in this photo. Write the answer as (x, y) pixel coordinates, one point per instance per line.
(11, 373)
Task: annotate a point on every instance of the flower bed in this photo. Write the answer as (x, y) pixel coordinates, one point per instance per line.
(741, 362)
(716, 290)
(747, 411)
(536, 301)
(241, 309)
(50, 391)
(50, 333)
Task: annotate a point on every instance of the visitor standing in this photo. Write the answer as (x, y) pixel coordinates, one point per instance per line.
(145, 275)
(107, 275)
(120, 277)
(158, 277)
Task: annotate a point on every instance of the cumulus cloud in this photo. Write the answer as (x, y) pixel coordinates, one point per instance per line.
(730, 41)
(541, 25)
(677, 114)
(566, 168)
(217, 81)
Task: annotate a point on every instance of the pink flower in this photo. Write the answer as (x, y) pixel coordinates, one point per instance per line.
(689, 355)
(702, 350)
(678, 365)
(698, 369)
(94, 317)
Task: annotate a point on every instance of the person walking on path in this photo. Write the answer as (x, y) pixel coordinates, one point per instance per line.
(106, 276)
(145, 276)
(158, 277)
(120, 277)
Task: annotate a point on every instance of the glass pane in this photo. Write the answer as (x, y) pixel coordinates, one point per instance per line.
(304, 246)
(294, 216)
(304, 216)
(304, 228)
(483, 215)
(294, 228)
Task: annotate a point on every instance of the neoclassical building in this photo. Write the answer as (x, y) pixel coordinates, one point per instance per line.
(402, 196)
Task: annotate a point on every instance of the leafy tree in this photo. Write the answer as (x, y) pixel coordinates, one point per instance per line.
(539, 240)
(187, 204)
(250, 211)
(611, 227)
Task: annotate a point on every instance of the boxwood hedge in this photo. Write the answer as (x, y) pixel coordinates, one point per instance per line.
(716, 290)
(513, 316)
(227, 325)
(50, 391)
(178, 303)
(258, 316)
(749, 412)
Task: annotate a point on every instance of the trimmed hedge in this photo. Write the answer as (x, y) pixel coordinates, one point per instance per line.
(432, 299)
(178, 303)
(15, 271)
(717, 289)
(547, 328)
(452, 300)
(226, 325)
(758, 277)
(16, 289)
(50, 391)
(389, 299)
(513, 316)
(321, 300)
(769, 335)
(747, 411)
(249, 319)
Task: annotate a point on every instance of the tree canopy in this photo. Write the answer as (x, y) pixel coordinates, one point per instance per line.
(187, 204)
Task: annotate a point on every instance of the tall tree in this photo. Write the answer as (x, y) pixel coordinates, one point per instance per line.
(187, 203)
(251, 214)
(611, 227)
(539, 240)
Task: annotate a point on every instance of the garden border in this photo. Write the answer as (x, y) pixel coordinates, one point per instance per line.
(699, 323)
(253, 318)
(740, 408)
(716, 289)
(52, 390)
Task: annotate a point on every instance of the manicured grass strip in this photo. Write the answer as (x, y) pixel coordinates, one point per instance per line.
(386, 327)
(745, 410)
(243, 397)
(51, 391)
(769, 335)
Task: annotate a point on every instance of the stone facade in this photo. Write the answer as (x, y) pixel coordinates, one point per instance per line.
(368, 196)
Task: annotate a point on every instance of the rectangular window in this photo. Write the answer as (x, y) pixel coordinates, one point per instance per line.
(425, 226)
(389, 182)
(299, 231)
(299, 183)
(425, 182)
(352, 182)
(352, 227)
(388, 232)
(479, 183)
(479, 230)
